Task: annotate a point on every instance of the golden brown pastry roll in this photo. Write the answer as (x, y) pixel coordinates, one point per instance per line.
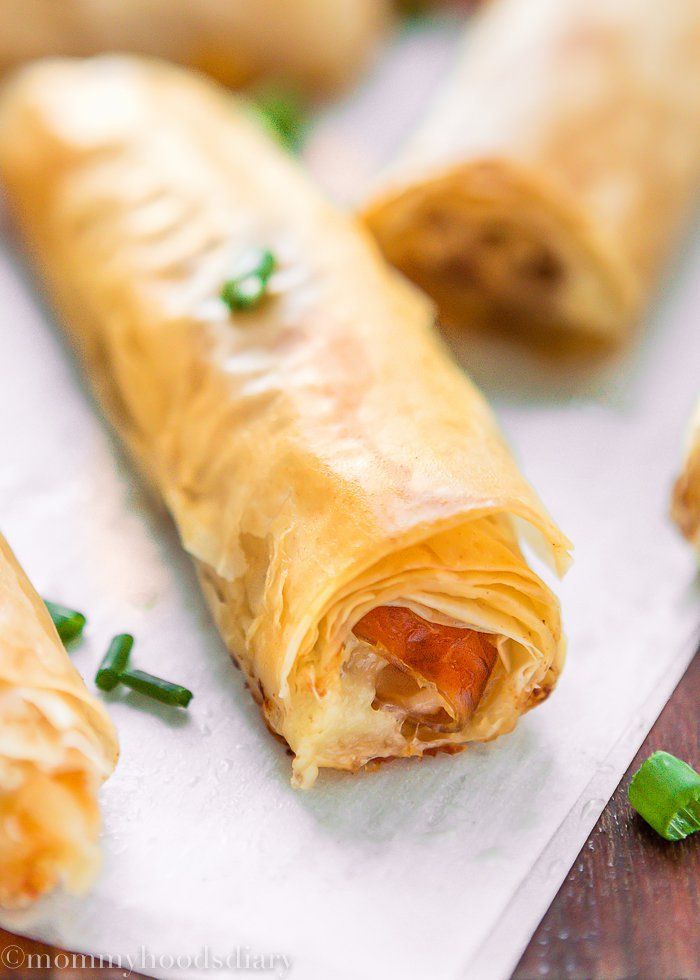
(57, 745)
(344, 491)
(541, 193)
(318, 44)
(685, 507)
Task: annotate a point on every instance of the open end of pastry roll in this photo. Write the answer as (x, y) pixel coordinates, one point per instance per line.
(446, 641)
(56, 747)
(48, 833)
(344, 490)
(496, 251)
(428, 650)
(544, 188)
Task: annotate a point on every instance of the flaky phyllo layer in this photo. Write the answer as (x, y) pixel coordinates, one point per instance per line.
(56, 747)
(342, 487)
(351, 695)
(482, 644)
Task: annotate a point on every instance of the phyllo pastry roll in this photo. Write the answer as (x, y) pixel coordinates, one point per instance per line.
(343, 489)
(542, 191)
(318, 45)
(685, 507)
(57, 745)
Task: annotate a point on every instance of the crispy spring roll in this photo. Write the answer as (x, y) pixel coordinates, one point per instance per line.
(685, 507)
(343, 489)
(57, 745)
(318, 44)
(543, 190)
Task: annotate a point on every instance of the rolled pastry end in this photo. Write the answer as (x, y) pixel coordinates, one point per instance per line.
(496, 251)
(685, 505)
(412, 662)
(57, 746)
(49, 823)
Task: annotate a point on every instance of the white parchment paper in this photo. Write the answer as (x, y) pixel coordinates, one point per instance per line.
(437, 869)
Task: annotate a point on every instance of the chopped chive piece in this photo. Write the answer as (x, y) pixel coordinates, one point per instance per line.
(243, 294)
(665, 791)
(265, 264)
(284, 115)
(255, 262)
(245, 290)
(114, 662)
(156, 687)
(69, 623)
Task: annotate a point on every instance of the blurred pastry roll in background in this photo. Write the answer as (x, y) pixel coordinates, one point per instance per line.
(686, 493)
(542, 192)
(344, 491)
(319, 45)
(57, 745)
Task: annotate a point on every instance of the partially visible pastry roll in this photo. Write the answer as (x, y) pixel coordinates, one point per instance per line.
(541, 194)
(57, 745)
(351, 507)
(685, 507)
(319, 45)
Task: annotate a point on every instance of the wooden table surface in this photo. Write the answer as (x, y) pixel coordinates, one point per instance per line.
(630, 906)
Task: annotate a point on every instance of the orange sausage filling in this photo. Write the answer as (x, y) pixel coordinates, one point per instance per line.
(423, 657)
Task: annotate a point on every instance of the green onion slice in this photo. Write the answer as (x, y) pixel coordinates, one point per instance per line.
(284, 114)
(246, 288)
(69, 623)
(114, 662)
(665, 791)
(156, 687)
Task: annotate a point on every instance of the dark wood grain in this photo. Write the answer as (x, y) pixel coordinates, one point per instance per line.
(630, 906)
